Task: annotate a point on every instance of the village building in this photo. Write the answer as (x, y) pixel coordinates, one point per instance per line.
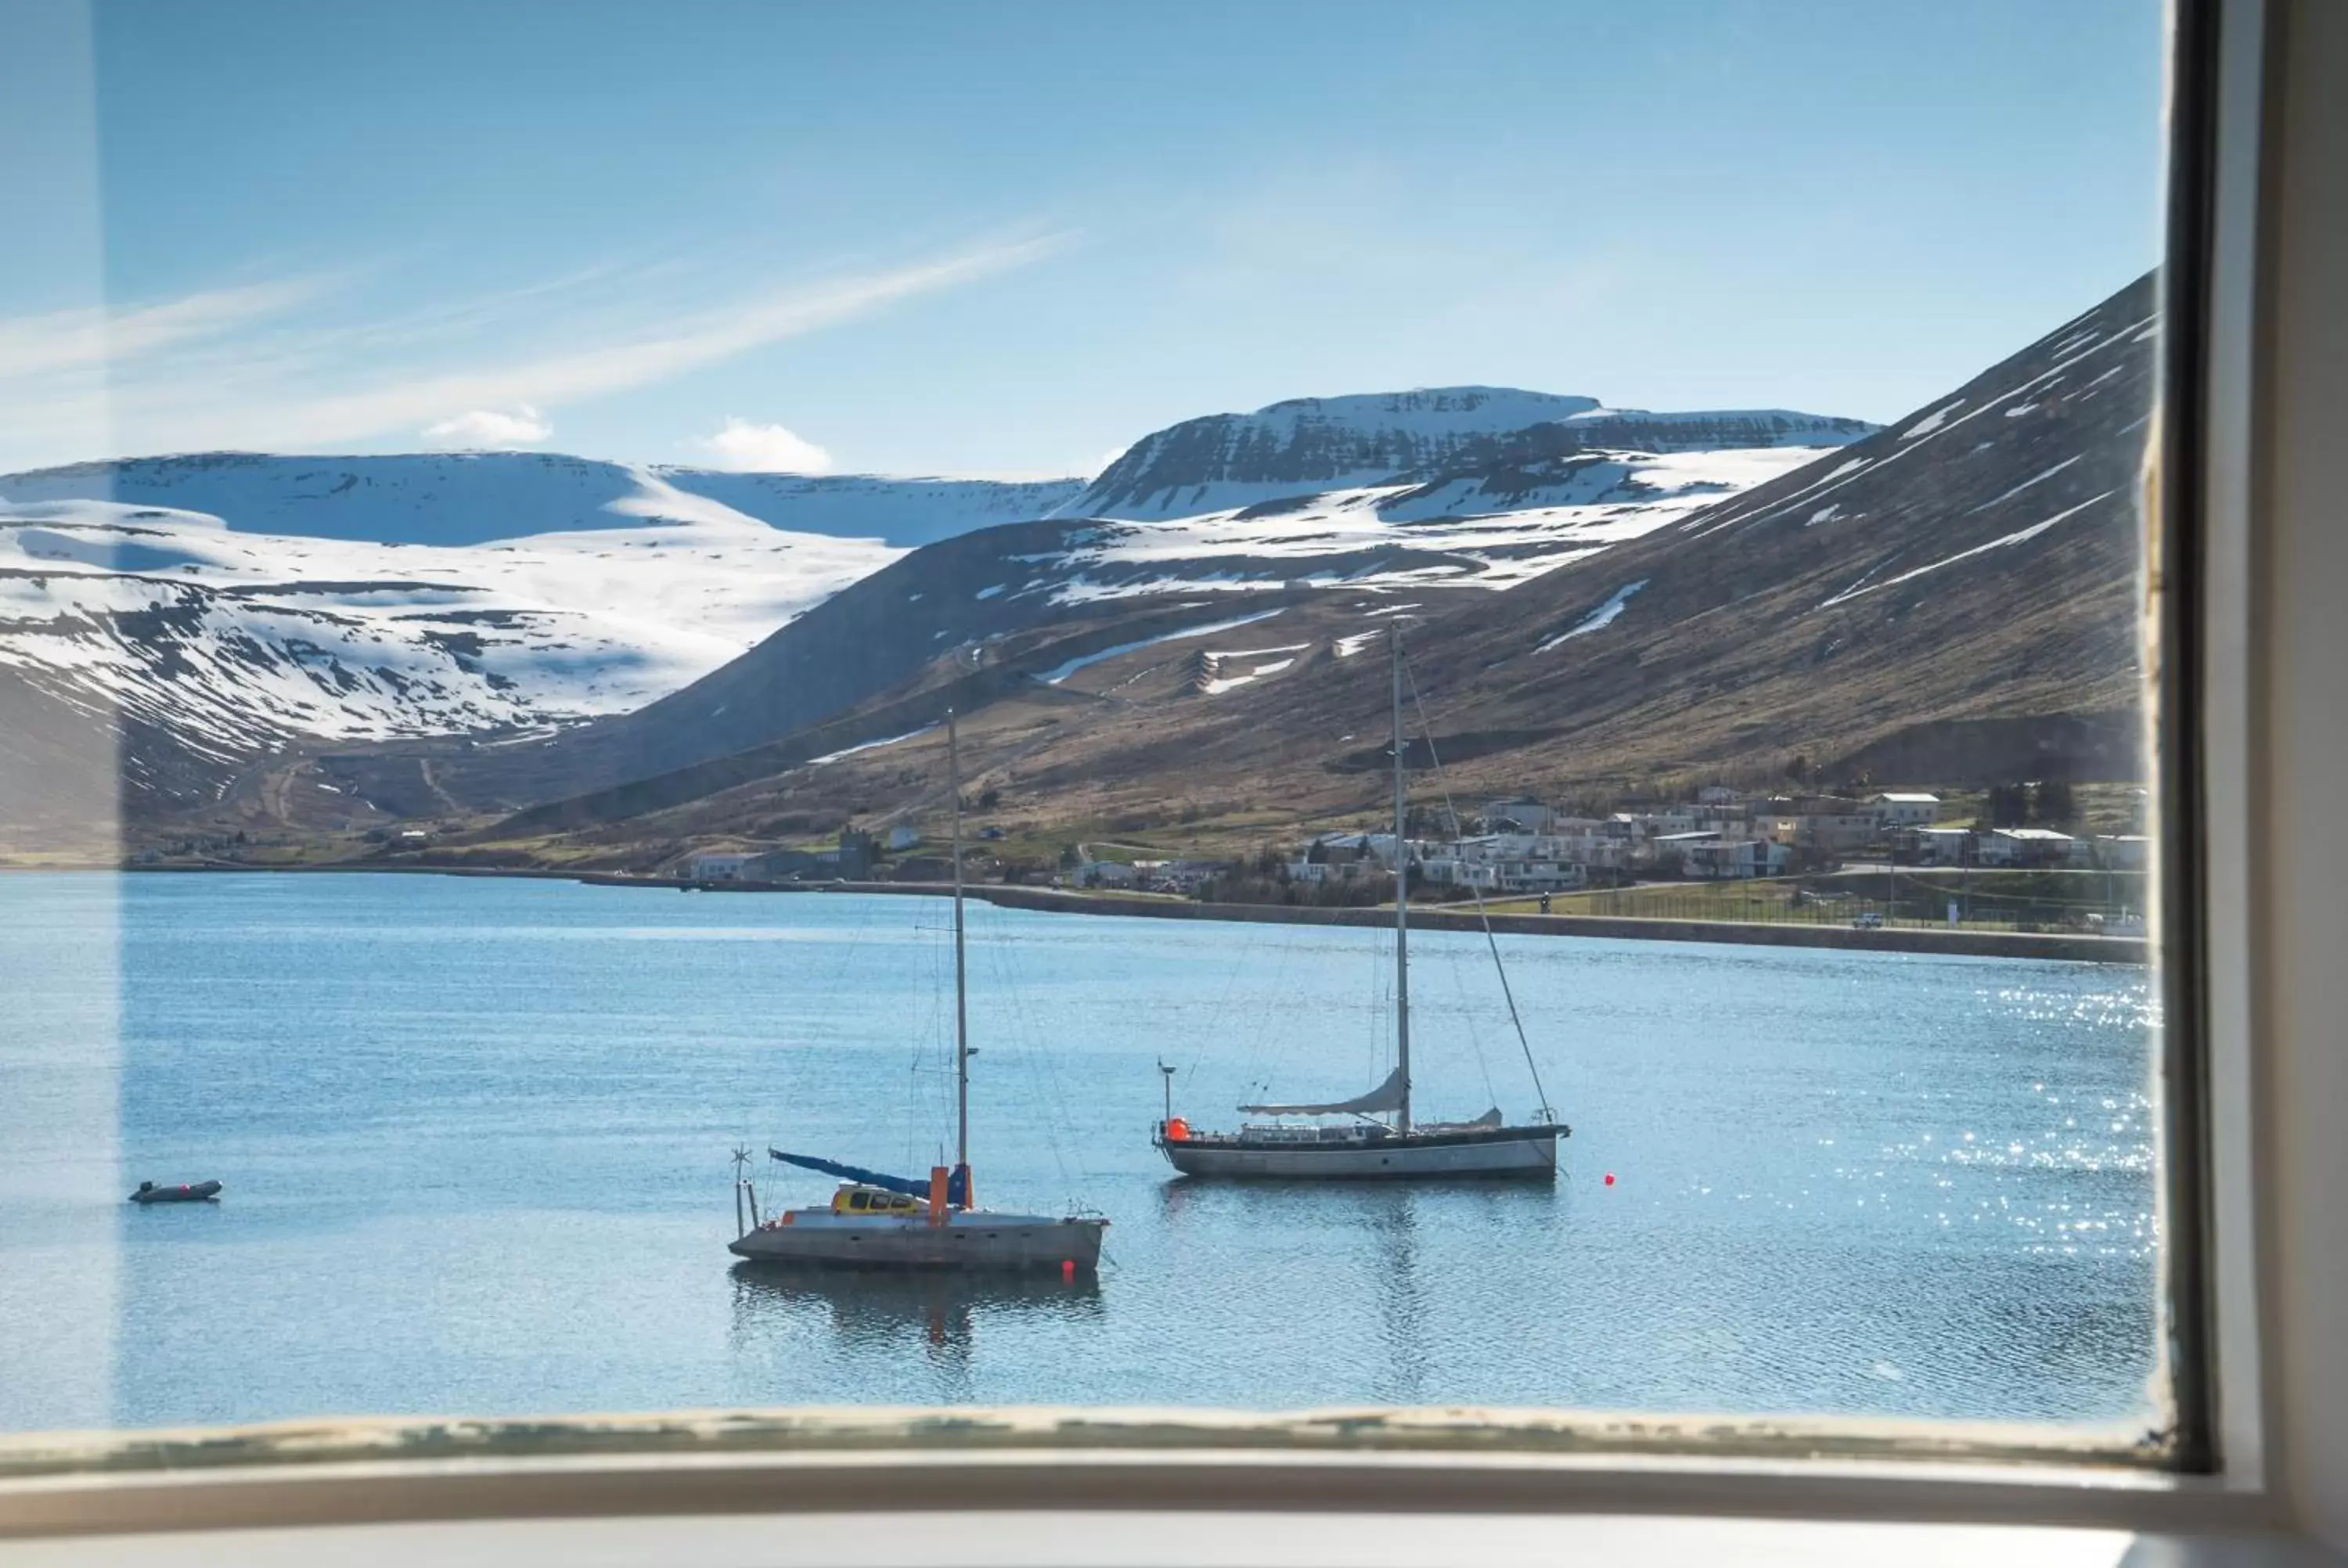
(850, 861)
(1897, 809)
(1528, 815)
(1711, 857)
(1829, 825)
(1940, 845)
(2031, 846)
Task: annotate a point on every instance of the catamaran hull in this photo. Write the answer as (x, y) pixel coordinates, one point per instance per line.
(1532, 1156)
(977, 1242)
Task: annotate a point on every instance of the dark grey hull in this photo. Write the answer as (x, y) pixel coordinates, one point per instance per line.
(977, 1241)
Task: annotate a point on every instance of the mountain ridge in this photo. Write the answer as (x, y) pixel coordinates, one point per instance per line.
(1957, 590)
(217, 644)
(1221, 461)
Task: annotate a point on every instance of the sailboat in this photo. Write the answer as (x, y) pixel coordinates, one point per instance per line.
(1380, 1139)
(878, 1220)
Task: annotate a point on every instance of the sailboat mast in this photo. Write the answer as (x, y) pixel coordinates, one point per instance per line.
(1401, 890)
(962, 988)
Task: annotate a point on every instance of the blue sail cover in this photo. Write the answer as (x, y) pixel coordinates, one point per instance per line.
(957, 1183)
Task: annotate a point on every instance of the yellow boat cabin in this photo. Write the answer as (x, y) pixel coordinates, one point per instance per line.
(857, 1199)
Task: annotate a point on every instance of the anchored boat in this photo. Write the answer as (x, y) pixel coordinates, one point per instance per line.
(182, 1192)
(877, 1220)
(1380, 1139)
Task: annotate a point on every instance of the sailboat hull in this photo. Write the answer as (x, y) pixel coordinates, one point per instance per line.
(967, 1239)
(1519, 1153)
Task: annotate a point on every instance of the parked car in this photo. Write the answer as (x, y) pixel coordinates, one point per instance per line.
(1867, 921)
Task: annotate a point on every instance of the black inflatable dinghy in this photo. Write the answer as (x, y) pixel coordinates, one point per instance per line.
(201, 1191)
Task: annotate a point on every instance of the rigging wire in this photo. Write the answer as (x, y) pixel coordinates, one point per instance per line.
(1419, 702)
(1259, 1036)
(1037, 1064)
(1468, 1016)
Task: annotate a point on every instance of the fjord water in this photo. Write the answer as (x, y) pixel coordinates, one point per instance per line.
(475, 1136)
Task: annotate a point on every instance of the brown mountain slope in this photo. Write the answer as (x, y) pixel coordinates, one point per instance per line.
(1956, 592)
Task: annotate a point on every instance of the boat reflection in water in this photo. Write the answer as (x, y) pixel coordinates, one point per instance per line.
(1372, 1251)
(883, 1310)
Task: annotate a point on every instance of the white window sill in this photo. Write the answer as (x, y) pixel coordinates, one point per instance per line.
(893, 1505)
(1114, 1539)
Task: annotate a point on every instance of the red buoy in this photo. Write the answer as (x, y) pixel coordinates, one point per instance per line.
(1609, 1178)
(1068, 1269)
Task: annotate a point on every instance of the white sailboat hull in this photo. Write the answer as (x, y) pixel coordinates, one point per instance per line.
(1376, 1151)
(1518, 1153)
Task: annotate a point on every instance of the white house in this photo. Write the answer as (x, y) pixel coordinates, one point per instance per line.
(1832, 832)
(1944, 845)
(1718, 859)
(1901, 810)
(904, 835)
(2123, 851)
(1503, 862)
(1527, 813)
(1103, 874)
(2030, 846)
(722, 866)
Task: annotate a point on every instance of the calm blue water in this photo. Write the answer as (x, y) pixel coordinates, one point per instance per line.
(475, 1138)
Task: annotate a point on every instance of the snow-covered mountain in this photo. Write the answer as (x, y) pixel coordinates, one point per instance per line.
(1479, 529)
(1951, 600)
(1026, 597)
(245, 599)
(473, 497)
(233, 602)
(242, 638)
(1230, 461)
(897, 511)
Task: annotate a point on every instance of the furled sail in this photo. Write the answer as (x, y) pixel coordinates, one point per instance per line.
(957, 1184)
(1386, 1096)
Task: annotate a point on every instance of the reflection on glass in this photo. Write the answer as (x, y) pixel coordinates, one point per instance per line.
(680, 571)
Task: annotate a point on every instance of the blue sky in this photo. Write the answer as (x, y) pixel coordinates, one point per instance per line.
(972, 238)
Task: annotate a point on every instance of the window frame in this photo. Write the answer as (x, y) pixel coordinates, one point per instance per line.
(2198, 601)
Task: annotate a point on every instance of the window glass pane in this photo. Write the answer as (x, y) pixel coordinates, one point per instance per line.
(538, 549)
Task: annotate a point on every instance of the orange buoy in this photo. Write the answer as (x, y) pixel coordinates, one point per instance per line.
(1176, 1130)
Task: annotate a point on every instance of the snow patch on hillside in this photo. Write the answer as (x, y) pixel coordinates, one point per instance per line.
(2020, 536)
(1406, 534)
(1599, 618)
(1059, 673)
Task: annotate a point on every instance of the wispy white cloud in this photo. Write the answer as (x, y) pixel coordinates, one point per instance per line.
(255, 368)
(765, 448)
(692, 342)
(59, 342)
(490, 428)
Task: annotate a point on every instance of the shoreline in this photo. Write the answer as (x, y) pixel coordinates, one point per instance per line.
(2069, 946)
